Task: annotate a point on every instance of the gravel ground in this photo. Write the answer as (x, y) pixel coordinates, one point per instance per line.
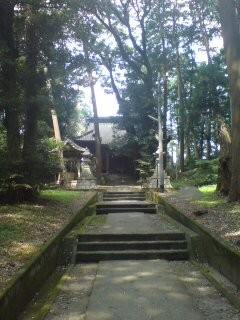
(223, 220)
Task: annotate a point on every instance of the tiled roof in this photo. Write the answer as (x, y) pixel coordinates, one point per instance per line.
(74, 145)
(107, 132)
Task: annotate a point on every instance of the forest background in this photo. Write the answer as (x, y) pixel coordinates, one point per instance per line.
(144, 51)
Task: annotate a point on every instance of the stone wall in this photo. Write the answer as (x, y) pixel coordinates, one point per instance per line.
(214, 250)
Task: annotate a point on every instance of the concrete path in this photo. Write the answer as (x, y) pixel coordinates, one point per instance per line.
(141, 290)
(133, 222)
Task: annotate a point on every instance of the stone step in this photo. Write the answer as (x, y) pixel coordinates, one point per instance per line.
(116, 198)
(124, 192)
(126, 204)
(132, 245)
(110, 209)
(131, 237)
(89, 256)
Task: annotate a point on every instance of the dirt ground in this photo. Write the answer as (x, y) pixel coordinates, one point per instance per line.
(39, 227)
(222, 219)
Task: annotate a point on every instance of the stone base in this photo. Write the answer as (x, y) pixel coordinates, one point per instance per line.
(154, 182)
(86, 184)
(71, 184)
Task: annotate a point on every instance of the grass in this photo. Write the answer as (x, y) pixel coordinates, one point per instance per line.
(9, 230)
(210, 198)
(59, 195)
(15, 218)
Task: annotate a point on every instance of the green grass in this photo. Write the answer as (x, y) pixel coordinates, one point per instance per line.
(210, 197)
(208, 190)
(10, 230)
(65, 196)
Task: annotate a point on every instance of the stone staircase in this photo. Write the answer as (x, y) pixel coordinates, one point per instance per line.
(120, 202)
(170, 245)
(99, 247)
(115, 196)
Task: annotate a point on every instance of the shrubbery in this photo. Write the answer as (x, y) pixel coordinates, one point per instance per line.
(13, 189)
(21, 181)
(203, 172)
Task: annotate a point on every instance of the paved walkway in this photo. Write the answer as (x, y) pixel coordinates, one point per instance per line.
(133, 222)
(141, 290)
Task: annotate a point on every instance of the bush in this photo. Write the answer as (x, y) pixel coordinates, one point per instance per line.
(14, 190)
(204, 173)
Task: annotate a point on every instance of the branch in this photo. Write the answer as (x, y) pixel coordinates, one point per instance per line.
(119, 42)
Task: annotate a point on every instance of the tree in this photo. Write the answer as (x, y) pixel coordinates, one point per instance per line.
(31, 88)
(33, 37)
(121, 21)
(229, 16)
(95, 113)
(9, 102)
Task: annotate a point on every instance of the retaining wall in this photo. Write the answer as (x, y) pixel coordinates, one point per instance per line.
(29, 279)
(214, 250)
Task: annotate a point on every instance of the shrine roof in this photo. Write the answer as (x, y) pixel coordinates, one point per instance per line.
(74, 145)
(108, 127)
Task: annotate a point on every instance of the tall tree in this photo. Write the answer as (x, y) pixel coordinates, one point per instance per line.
(127, 20)
(95, 113)
(31, 85)
(180, 84)
(230, 22)
(8, 54)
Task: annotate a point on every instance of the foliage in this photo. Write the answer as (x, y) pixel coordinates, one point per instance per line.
(149, 50)
(203, 173)
(14, 190)
(144, 170)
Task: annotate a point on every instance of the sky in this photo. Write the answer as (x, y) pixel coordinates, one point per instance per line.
(106, 103)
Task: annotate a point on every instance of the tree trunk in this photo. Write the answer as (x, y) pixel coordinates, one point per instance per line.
(195, 147)
(188, 148)
(180, 93)
(96, 128)
(231, 37)
(224, 168)
(97, 137)
(165, 105)
(208, 139)
(31, 89)
(8, 66)
(201, 140)
(181, 114)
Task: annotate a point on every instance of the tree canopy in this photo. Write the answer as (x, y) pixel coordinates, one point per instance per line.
(146, 52)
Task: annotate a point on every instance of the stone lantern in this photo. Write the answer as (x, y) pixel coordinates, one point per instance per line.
(87, 180)
(154, 179)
